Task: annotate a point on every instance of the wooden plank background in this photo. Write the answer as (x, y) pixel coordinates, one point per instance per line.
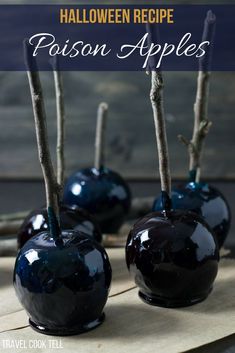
(131, 145)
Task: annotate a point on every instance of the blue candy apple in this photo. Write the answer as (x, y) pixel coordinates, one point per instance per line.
(206, 201)
(70, 218)
(63, 284)
(103, 193)
(173, 257)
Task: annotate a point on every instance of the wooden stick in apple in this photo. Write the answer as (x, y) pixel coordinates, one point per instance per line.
(191, 196)
(102, 114)
(60, 110)
(169, 233)
(156, 98)
(51, 185)
(201, 122)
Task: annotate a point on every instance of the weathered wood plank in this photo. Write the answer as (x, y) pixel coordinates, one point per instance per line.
(132, 325)
(131, 140)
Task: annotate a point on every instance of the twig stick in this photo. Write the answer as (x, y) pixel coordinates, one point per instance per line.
(156, 97)
(51, 185)
(201, 122)
(60, 109)
(100, 135)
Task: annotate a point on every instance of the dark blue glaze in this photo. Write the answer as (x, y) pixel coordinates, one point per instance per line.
(103, 193)
(63, 288)
(70, 218)
(173, 258)
(205, 200)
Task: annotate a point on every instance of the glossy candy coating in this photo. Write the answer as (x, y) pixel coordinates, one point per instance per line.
(70, 217)
(64, 287)
(173, 258)
(205, 200)
(103, 193)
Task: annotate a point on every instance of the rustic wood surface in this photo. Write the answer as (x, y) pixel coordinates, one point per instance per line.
(23, 196)
(131, 145)
(130, 324)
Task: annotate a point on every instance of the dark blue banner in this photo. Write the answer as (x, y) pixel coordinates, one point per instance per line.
(114, 37)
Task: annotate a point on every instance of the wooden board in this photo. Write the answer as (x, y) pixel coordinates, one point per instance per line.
(131, 143)
(131, 325)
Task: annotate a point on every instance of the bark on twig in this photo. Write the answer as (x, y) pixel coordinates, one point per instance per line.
(51, 185)
(60, 109)
(156, 97)
(201, 122)
(100, 135)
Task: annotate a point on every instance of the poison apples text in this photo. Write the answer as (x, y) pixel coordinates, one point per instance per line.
(185, 47)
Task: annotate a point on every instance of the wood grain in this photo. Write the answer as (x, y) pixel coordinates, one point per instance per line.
(131, 325)
(131, 146)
